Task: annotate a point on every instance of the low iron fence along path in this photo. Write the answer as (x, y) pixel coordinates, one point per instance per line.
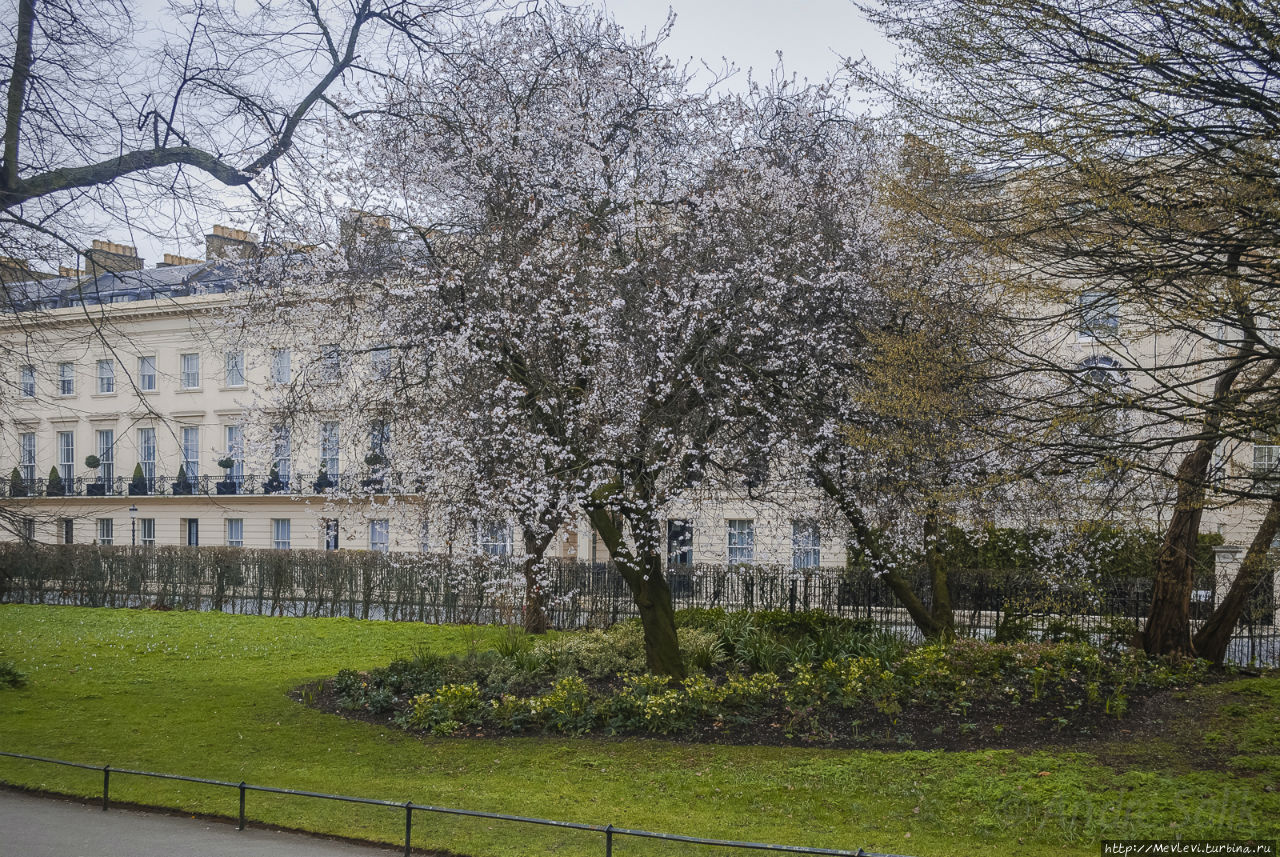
(439, 588)
(608, 833)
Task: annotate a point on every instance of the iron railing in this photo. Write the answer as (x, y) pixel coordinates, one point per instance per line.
(441, 588)
(607, 831)
(361, 483)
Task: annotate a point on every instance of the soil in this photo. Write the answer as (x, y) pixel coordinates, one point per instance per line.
(1157, 727)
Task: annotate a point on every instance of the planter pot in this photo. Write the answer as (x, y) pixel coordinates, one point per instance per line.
(95, 489)
(55, 492)
(138, 489)
(322, 485)
(374, 484)
(183, 489)
(226, 486)
(18, 491)
(273, 487)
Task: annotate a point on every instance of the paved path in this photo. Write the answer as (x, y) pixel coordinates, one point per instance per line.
(47, 827)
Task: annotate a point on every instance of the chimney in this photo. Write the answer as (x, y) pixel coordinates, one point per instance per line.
(107, 256)
(225, 242)
(71, 273)
(18, 271)
(173, 259)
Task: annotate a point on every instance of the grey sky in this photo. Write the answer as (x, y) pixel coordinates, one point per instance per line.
(811, 34)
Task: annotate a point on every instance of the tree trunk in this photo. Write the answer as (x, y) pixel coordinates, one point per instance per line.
(942, 614)
(1168, 628)
(536, 620)
(1212, 639)
(642, 571)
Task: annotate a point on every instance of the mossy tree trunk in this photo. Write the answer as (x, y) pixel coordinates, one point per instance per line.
(1214, 636)
(641, 568)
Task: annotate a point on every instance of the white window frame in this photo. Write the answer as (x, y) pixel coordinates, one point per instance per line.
(106, 377)
(107, 454)
(233, 372)
(191, 452)
(380, 535)
(147, 373)
(494, 538)
(147, 532)
(190, 376)
(67, 457)
(106, 531)
(66, 379)
(330, 445)
(281, 368)
(1099, 315)
(147, 453)
(235, 532)
(282, 454)
(806, 545)
(27, 456)
(235, 451)
(1266, 460)
(281, 533)
(27, 382)
(740, 540)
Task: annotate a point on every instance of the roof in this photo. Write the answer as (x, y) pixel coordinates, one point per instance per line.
(121, 286)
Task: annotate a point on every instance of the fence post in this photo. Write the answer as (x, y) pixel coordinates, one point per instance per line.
(408, 827)
(240, 826)
(106, 786)
(608, 840)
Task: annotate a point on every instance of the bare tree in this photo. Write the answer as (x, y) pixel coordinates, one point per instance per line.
(1123, 162)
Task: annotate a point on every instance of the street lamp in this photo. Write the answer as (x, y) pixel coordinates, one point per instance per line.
(133, 525)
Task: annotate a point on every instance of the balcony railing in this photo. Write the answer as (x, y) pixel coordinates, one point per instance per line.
(365, 483)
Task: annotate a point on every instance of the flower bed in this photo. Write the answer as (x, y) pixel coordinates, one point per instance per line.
(766, 678)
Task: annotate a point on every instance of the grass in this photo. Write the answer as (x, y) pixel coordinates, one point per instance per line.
(205, 694)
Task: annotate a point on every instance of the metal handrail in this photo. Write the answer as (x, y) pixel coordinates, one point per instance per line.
(608, 830)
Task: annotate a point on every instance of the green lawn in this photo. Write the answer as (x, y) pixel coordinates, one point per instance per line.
(204, 694)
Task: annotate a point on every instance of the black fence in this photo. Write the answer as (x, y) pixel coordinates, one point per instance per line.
(316, 483)
(439, 588)
(607, 832)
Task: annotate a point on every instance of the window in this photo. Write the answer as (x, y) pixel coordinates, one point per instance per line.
(379, 439)
(191, 451)
(66, 379)
(280, 533)
(68, 531)
(329, 439)
(331, 534)
(380, 535)
(147, 373)
(330, 362)
(27, 456)
(424, 537)
(1266, 458)
(282, 458)
(147, 453)
(679, 543)
(380, 358)
(281, 371)
(106, 531)
(1101, 371)
(806, 545)
(147, 532)
(190, 371)
(28, 529)
(235, 369)
(67, 457)
(192, 528)
(742, 542)
(1099, 314)
(235, 532)
(235, 451)
(107, 455)
(27, 382)
(495, 538)
(106, 376)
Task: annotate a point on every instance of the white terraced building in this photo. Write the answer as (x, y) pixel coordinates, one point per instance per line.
(135, 366)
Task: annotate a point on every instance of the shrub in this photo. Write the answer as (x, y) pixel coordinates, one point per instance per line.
(11, 676)
(447, 709)
(567, 707)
